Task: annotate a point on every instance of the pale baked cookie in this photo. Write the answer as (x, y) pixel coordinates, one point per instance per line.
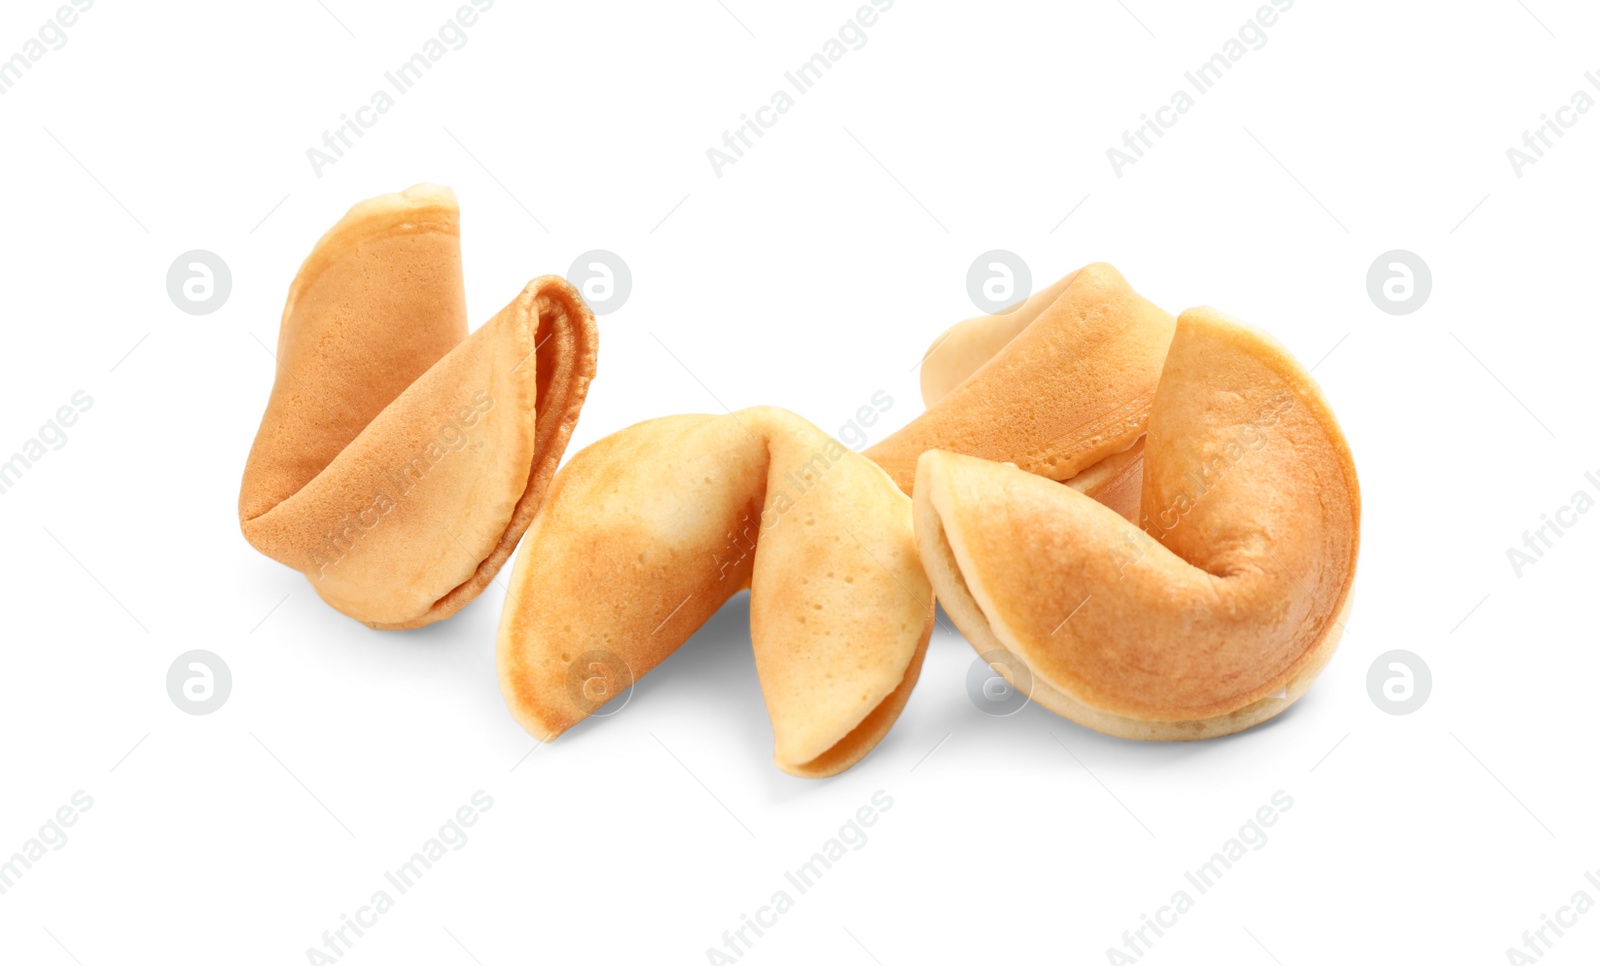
(1215, 616)
(1060, 385)
(399, 459)
(645, 534)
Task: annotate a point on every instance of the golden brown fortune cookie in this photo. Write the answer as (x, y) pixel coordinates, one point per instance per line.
(400, 459)
(1218, 614)
(1061, 385)
(648, 532)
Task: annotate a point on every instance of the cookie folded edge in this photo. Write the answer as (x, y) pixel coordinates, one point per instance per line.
(649, 531)
(335, 456)
(1061, 382)
(563, 373)
(947, 559)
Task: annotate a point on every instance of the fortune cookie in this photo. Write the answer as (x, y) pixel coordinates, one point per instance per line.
(646, 533)
(400, 459)
(1222, 610)
(1061, 385)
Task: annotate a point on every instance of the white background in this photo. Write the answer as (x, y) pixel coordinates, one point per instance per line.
(810, 275)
